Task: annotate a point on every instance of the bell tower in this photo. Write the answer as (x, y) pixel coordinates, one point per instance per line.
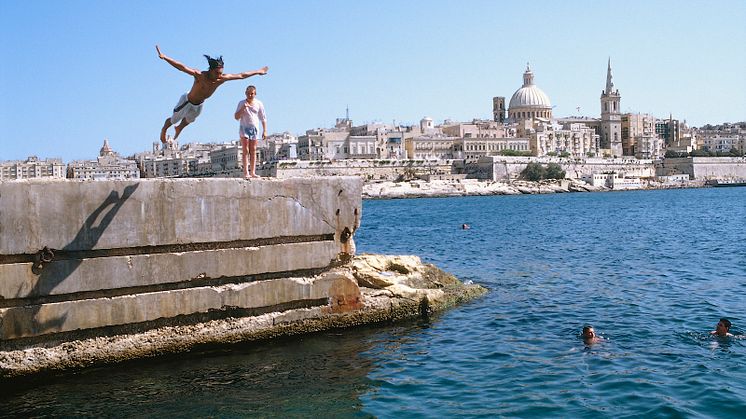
(498, 108)
(611, 117)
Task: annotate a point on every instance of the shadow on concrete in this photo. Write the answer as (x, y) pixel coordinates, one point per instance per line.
(88, 236)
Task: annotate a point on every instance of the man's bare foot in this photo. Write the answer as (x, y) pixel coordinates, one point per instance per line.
(253, 175)
(177, 131)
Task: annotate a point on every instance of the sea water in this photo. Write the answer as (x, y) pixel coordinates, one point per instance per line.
(652, 271)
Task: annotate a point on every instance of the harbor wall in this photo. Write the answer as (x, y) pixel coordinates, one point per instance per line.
(370, 170)
(87, 258)
(698, 168)
(507, 167)
(705, 168)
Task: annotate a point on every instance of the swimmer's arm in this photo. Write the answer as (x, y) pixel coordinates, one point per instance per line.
(177, 65)
(245, 75)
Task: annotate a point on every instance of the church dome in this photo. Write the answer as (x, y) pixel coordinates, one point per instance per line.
(529, 101)
(529, 95)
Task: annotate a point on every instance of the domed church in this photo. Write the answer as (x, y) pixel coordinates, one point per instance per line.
(529, 102)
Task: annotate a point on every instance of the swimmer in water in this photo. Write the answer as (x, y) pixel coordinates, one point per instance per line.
(589, 335)
(722, 329)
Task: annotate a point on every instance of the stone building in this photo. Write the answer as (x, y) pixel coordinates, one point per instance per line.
(368, 141)
(108, 166)
(282, 146)
(475, 129)
(575, 140)
(639, 138)
(472, 148)
(193, 159)
(431, 147)
(323, 144)
(32, 168)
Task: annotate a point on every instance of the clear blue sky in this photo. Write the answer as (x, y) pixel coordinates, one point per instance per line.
(75, 72)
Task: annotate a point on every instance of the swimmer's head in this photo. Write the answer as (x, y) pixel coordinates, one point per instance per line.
(588, 332)
(723, 326)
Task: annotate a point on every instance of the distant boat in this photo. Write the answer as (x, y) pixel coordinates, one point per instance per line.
(720, 183)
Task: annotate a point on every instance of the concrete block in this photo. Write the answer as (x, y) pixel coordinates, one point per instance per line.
(110, 273)
(35, 320)
(132, 252)
(85, 215)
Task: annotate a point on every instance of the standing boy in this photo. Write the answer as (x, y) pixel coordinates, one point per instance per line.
(250, 112)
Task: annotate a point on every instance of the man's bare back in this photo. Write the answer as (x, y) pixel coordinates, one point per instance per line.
(205, 84)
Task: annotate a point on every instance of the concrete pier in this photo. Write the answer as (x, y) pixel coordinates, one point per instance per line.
(78, 256)
(96, 273)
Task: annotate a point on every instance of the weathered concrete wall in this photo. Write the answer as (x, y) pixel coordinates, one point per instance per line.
(132, 252)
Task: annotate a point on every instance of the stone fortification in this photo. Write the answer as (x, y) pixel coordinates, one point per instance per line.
(97, 272)
(378, 169)
(506, 167)
(706, 167)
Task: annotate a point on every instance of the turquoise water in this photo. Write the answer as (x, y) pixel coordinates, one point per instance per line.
(653, 271)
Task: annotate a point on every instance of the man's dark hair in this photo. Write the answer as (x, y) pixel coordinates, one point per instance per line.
(214, 62)
(725, 322)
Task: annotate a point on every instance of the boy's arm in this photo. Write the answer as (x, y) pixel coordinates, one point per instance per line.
(262, 71)
(177, 65)
(239, 110)
(263, 118)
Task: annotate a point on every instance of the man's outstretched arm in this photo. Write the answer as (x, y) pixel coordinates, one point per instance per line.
(262, 71)
(177, 65)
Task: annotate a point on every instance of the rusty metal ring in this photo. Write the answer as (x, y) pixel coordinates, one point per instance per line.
(46, 255)
(345, 235)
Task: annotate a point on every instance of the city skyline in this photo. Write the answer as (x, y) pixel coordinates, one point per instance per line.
(80, 72)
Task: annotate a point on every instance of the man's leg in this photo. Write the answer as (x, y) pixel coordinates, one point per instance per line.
(166, 125)
(180, 127)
